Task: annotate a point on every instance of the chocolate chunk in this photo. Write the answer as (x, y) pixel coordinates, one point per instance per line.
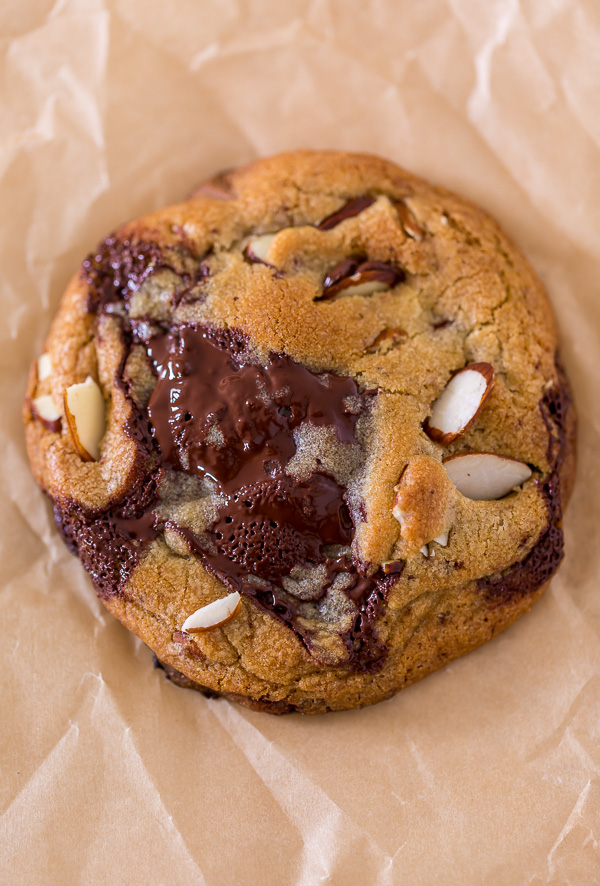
(268, 529)
(362, 277)
(109, 541)
(118, 267)
(349, 210)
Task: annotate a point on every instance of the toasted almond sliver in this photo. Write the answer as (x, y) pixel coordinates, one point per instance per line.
(45, 408)
(258, 248)
(44, 367)
(460, 403)
(213, 614)
(484, 476)
(85, 414)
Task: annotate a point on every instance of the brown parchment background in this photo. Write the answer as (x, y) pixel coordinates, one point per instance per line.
(489, 771)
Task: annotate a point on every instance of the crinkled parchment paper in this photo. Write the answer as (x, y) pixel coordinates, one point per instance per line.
(487, 772)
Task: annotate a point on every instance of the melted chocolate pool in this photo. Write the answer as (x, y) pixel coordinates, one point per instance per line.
(218, 413)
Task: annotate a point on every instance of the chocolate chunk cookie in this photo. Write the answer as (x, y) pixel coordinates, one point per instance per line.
(307, 431)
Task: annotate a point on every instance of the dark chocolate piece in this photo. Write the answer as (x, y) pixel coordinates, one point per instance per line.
(349, 210)
(409, 222)
(352, 272)
(109, 541)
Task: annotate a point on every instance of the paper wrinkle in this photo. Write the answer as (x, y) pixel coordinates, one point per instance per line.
(248, 43)
(186, 863)
(110, 109)
(505, 51)
(571, 822)
(40, 784)
(482, 92)
(584, 697)
(317, 817)
(104, 707)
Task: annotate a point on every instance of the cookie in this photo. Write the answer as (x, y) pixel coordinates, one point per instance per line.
(307, 431)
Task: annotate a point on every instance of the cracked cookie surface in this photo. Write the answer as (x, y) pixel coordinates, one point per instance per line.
(269, 354)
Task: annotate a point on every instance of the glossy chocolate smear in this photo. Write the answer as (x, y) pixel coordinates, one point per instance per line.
(214, 412)
(119, 266)
(117, 269)
(109, 541)
(268, 529)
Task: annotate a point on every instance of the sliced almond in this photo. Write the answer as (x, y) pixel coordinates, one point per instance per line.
(44, 367)
(484, 476)
(429, 551)
(257, 249)
(397, 511)
(44, 408)
(360, 278)
(85, 414)
(213, 614)
(460, 403)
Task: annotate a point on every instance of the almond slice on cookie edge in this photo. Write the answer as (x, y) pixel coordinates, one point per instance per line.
(213, 614)
(44, 408)
(44, 367)
(85, 414)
